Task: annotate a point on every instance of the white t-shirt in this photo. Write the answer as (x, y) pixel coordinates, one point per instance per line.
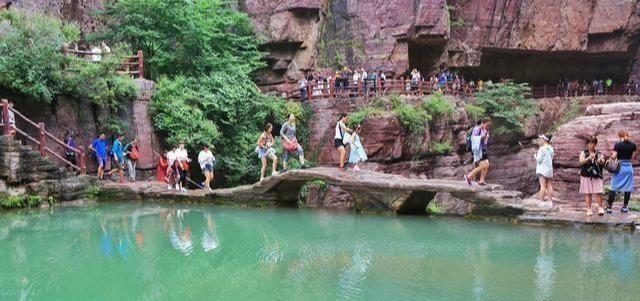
(356, 77)
(171, 158)
(97, 54)
(364, 75)
(205, 157)
(181, 154)
(339, 130)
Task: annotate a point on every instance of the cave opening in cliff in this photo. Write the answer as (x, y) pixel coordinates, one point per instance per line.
(545, 68)
(425, 54)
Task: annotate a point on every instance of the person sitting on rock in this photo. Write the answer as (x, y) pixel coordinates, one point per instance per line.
(544, 169)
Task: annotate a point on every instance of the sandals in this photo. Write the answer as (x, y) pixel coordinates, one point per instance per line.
(601, 211)
(589, 212)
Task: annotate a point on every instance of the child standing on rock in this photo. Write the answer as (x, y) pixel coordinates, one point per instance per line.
(357, 153)
(544, 169)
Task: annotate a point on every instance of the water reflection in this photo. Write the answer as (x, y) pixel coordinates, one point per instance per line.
(545, 267)
(175, 253)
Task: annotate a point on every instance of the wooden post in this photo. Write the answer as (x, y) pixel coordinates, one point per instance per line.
(544, 91)
(309, 90)
(6, 131)
(379, 85)
(140, 64)
(43, 139)
(83, 160)
(420, 86)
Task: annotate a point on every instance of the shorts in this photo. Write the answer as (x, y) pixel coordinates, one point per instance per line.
(102, 161)
(337, 143)
(118, 165)
(208, 167)
(298, 151)
(266, 152)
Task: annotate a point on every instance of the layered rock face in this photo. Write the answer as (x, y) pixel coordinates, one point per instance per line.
(537, 41)
(391, 149)
(602, 121)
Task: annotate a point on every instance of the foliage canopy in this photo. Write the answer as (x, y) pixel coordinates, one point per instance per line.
(509, 102)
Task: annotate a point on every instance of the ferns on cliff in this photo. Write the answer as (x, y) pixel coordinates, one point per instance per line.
(508, 102)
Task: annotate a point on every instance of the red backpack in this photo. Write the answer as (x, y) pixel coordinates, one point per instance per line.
(134, 154)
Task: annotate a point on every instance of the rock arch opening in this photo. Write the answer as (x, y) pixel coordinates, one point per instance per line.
(425, 55)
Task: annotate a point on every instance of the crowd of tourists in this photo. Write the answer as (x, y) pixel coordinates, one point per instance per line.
(592, 164)
(596, 87)
(356, 81)
(111, 159)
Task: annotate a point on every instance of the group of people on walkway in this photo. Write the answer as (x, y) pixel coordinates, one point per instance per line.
(592, 164)
(266, 147)
(113, 159)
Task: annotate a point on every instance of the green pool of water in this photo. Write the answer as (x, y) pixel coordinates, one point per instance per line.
(161, 252)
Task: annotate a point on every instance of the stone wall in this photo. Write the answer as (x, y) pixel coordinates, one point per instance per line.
(87, 120)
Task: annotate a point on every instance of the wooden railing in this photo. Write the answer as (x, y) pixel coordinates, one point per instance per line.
(9, 126)
(379, 87)
(132, 65)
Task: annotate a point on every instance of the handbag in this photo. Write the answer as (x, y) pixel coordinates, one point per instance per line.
(612, 166)
(290, 146)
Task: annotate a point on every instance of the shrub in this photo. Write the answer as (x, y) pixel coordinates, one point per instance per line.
(363, 113)
(437, 106)
(433, 208)
(572, 112)
(93, 192)
(474, 112)
(413, 118)
(441, 148)
(509, 102)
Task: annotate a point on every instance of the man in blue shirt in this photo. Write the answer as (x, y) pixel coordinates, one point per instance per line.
(99, 146)
(118, 158)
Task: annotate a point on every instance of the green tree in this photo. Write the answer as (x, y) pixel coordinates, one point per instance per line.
(31, 62)
(510, 103)
(192, 38)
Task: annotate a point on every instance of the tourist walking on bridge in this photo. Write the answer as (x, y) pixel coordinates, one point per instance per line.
(544, 169)
(182, 166)
(591, 163)
(99, 146)
(118, 158)
(131, 155)
(342, 138)
(357, 153)
(265, 150)
(290, 142)
(479, 141)
(68, 153)
(207, 163)
(622, 180)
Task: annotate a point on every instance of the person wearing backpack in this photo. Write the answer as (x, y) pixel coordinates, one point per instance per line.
(131, 155)
(591, 162)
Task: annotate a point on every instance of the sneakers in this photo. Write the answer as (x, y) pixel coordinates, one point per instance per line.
(601, 211)
(275, 173)
(482, 183)
(546, 204)
(609, 211)
(183, 189)
(356, 168)
(467, 179)
(589, 212)
(304, 166)
(624, 209)
(169, 187)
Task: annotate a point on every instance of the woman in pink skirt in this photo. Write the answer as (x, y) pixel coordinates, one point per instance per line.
(591, 163)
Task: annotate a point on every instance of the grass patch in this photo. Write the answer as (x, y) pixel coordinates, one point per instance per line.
(572, 112)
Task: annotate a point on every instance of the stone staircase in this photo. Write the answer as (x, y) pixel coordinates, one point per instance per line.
(24, 170)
